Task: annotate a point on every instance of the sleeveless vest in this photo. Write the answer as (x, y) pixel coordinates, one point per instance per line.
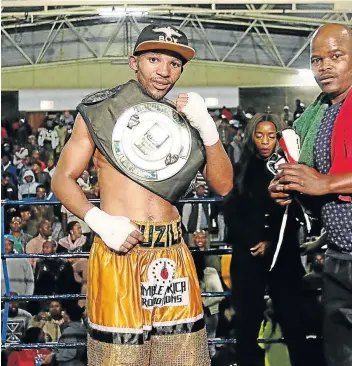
(101, 110)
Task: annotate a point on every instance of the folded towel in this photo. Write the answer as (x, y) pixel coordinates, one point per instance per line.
(307, 127)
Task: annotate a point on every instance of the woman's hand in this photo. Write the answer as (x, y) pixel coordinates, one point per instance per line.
(65, 317)
(41, 316)
(47, 359)
(260, 248)
(277, 194)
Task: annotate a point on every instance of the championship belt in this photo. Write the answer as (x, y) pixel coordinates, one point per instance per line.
(146, 140)
(151, 142)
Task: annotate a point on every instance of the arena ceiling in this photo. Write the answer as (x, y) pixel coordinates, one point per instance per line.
(263, 32)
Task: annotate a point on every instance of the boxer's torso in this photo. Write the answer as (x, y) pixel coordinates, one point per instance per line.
(121, 196)
(128, 149)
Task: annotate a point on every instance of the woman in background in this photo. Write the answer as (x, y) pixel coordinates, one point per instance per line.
(253, 220)
(74, 242)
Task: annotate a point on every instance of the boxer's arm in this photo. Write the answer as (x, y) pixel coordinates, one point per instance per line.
(116, 231)
(73, 160)
(218, 172)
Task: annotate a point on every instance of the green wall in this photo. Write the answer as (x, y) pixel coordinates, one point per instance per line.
(99, 74)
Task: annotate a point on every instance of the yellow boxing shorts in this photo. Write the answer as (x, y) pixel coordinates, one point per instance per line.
(145, 307)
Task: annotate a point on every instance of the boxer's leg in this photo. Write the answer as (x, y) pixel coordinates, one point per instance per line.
(117, 333)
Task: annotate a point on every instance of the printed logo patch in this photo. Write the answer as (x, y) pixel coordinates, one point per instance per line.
(162, 288)
(15, 330)
(170, 35)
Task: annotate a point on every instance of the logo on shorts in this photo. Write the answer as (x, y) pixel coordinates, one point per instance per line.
(162, 288)
(162, 272)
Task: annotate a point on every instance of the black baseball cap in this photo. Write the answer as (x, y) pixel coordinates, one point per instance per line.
(164, 37)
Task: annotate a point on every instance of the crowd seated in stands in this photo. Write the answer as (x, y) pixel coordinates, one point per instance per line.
(28, 163)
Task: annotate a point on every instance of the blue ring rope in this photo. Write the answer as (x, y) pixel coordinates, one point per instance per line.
(97, 200)
(7, 298)
(52, 345)
(83, 296)
(86, 254)
(6, 277)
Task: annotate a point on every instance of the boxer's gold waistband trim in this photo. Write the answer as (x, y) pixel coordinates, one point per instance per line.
(160, 234)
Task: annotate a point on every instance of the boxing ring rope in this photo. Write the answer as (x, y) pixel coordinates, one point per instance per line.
(8, 298)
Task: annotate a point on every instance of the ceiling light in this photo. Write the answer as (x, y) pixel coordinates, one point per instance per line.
(122, 11)
(302, 73)
(211, 102)
(306, 77)
(46, 105)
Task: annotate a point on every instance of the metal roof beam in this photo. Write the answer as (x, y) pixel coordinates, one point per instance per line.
(19, 49)
(113, 35)
(239, 40)
(184, 22)
(307, 41)
(170, 10)
(285, 19)
(43, 3)
(211, 46)
(233, 22)
(205, 40)
(271, 41)
(300, 51)
(302, 25)
(178, 18)
(47, 44)
(266, 46)
(78, 35)
(42, 22)
(135, 24)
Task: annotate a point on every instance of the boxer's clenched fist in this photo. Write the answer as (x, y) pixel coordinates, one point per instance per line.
(181, 101)
(192, 105)
(117, 232)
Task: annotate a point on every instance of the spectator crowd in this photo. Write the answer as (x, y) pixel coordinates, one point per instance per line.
(28, 163)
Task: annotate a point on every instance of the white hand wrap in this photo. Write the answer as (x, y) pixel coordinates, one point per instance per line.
(199, 118)
(114, 230)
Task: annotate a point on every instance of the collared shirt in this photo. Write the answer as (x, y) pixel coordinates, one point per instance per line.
(202, 222)
(336, 214)
(35, 246)
(21, 242)
(200, 180)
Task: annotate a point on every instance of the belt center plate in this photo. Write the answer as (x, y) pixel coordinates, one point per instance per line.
(151, 142)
